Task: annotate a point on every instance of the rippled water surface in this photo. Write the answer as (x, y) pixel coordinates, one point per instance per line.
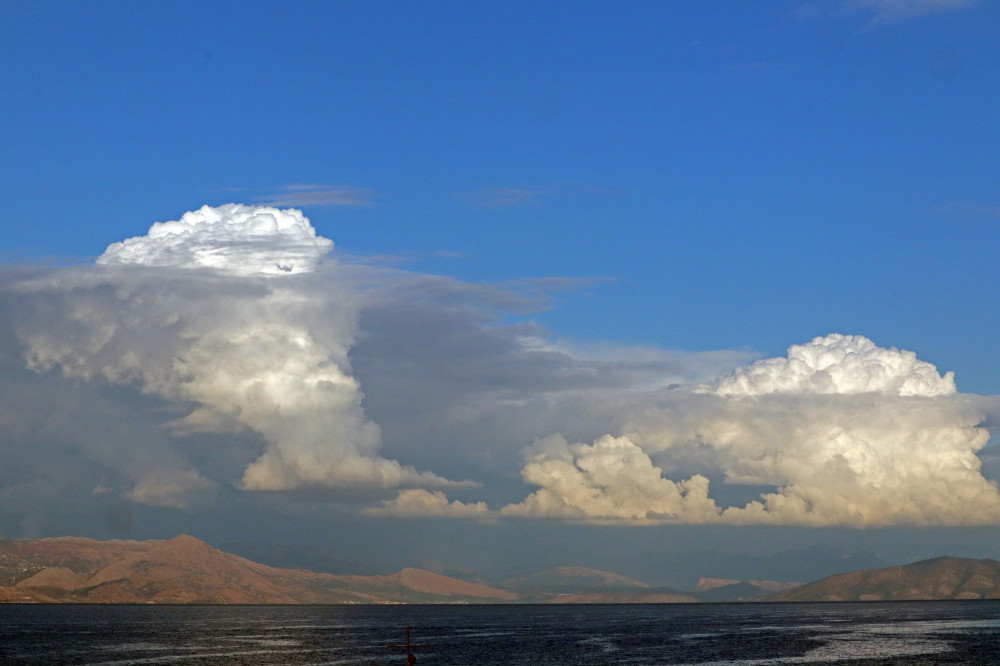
(646, 635)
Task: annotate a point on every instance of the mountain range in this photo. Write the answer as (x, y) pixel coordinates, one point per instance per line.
(187, 570)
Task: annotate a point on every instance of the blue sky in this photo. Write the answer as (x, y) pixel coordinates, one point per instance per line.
(745, 175)
(707, 177)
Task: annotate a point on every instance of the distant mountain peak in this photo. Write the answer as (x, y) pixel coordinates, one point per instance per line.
(185, 543)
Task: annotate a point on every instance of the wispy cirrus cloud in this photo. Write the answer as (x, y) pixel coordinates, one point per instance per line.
(301, 196)
(519, 196)
(883, 12)
(970, 210)
(506, 196)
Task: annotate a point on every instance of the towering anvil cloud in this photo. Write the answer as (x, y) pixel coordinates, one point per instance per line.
(223, 311)
(848, 433)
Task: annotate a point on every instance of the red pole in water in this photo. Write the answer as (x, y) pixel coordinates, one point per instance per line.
(410, 659)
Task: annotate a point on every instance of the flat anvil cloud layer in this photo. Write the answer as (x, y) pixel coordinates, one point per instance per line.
(849, 434)
(217, 311)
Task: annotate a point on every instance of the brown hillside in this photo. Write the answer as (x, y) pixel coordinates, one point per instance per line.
(187, 570)
(939, 578)
(432, 583)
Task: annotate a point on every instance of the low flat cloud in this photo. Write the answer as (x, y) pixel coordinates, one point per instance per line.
(78, 443)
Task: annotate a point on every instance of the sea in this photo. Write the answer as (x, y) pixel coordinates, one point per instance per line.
(962, 632)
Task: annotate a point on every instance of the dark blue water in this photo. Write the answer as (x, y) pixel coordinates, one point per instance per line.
(647, 635)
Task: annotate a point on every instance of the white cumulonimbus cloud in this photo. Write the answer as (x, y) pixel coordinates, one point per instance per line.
(218, 311)
(234, 318)
(233, 238)
(611, 479)
(421, 503)
(847, 433)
